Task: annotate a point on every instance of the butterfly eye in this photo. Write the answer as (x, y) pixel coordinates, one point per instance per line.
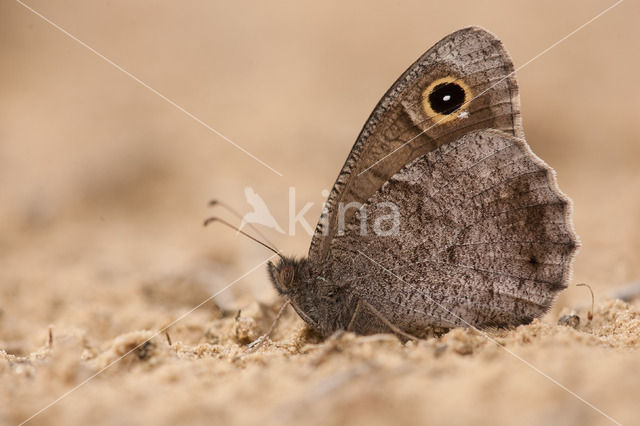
(286, 275)
(445, 96)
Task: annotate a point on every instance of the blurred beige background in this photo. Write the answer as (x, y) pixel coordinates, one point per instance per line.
(103, 184)
(83, 144)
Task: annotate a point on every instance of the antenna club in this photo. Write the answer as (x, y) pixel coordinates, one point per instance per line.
(209, 220)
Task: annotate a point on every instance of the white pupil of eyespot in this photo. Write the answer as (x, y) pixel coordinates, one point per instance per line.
(446, 98)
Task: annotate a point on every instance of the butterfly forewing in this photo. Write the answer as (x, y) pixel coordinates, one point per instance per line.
(470, 70)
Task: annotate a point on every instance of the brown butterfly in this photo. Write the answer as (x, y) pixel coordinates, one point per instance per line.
(482, 235)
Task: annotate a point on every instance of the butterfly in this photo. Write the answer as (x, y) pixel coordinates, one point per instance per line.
(441, 216)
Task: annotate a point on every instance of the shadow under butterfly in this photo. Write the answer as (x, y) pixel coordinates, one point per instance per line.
(484, 236)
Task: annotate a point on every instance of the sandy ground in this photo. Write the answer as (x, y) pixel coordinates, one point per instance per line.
(104, 185)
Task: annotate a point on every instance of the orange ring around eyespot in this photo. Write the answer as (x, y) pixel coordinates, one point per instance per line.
(443, 118)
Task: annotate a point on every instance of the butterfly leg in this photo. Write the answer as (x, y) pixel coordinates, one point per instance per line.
(374, 311)
(352, 323)
(256, 343)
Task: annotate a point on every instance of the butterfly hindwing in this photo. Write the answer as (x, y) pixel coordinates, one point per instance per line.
(483, 238)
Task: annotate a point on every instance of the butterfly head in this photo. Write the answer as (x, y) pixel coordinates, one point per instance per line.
(286, 274)
(312, 297)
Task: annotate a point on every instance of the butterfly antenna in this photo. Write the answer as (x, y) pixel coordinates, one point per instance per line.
(234, 212)
(227, 224)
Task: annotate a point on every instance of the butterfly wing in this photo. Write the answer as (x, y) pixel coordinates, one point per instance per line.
(470, 69)
(482, 237)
